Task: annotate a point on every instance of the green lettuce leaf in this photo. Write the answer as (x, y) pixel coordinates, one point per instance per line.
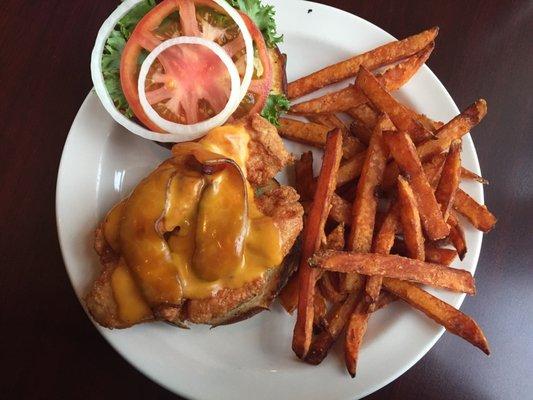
(276, 104)
(263, 17)
(113, 51)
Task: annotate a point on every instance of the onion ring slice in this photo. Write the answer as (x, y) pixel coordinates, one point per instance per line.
(191, 131)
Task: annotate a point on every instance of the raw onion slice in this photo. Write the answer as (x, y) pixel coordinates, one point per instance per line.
(199, 128)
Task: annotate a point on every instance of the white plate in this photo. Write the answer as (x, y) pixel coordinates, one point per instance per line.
(101, 162)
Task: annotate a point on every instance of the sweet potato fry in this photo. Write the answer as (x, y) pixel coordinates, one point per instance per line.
(457, 236)
(368, 116)
(380, 216)
(387, 104)
(359, 318)
(372, 289)
(314, 134)
(288, 297)
(351, 169)
(364, 114)
(350, 97)
(433, 169)
(385, 298)
(425, 121)
(434, 254)
(319, 309)
(341, 210)
(439, 255)
(361, 131)
(335, 239)
(365, 203)
(384, 238)
(449, 179)
(477, 214)
(312, 238)
(303, 176)
(383, 242)
(365, 119)
(360, 238)
(354, 336)
(392, 171)
(404, 153)
(455, 129)
(303, 132)
(452, 319)
(395, 77)
(350, 145)
(410, 218)
(393, 266)
(328, 288)
(329, 120)
(390, 177)
(373, 59)
(289, 294)
(333, 102)
(335, 321)
(466, 174)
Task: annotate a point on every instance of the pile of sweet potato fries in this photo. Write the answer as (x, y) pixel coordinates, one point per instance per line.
(388, 194)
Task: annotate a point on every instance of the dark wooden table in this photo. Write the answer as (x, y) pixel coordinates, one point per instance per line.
(48, 347)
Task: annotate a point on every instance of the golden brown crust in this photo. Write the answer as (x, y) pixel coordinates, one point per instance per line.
(99, 300)
(267, 152)
(201, 311)
(267, 157)
(101, 247)
(282, 205)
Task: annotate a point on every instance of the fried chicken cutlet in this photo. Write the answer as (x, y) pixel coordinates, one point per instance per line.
(266, 156)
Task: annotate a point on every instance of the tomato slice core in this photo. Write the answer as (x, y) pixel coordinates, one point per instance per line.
(189, 74)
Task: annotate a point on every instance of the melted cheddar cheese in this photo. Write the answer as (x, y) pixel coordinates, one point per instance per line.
(190, 228)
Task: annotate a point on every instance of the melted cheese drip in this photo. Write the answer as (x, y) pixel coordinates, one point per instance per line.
(221, 226)
(132, 307)
(142, 243)
(112, 226)
(166, 245)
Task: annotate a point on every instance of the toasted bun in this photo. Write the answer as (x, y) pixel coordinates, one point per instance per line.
(279, 73)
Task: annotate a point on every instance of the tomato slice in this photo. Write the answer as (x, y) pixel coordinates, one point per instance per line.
(189, 83)
(260, 86)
